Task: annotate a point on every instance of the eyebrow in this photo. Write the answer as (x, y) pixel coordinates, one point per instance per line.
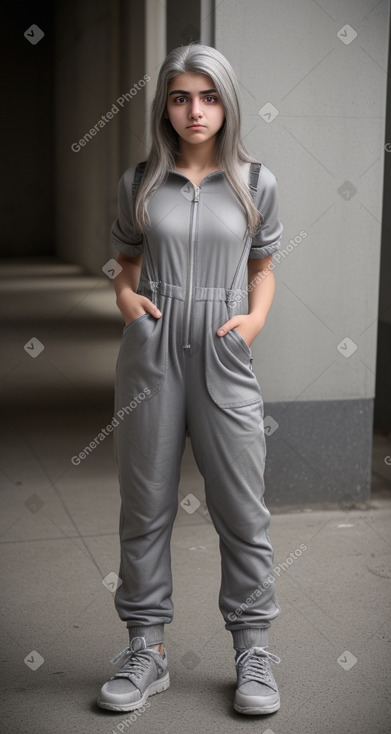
(182, 91)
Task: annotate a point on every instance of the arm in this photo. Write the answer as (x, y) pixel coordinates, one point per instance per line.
(261, 279)
(260, 298)
(263, 286)
(129, 242)
(130, 303)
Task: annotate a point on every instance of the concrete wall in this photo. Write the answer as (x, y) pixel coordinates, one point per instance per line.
(100, 57)
(27, 182)
(326, 147)
(382, 420)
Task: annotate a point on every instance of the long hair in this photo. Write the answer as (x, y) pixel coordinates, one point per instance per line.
(230, 150)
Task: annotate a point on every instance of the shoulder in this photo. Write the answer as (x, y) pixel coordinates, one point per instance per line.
(129, 175)
(267, 179)
(127, 178)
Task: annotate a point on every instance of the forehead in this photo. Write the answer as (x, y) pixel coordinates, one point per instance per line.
(191, 81)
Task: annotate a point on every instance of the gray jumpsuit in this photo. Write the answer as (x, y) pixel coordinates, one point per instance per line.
(175, 377)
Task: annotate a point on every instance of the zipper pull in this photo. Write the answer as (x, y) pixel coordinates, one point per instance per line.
(197, 194)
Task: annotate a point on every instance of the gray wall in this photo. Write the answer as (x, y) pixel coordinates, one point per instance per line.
(383, 364)
(327, 138)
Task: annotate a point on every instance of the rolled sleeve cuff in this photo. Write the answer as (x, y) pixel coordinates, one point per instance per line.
(264, 251)
(126, 249)
(268, 239)
(124, 235)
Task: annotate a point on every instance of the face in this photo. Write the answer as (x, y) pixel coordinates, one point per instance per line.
(193, 100)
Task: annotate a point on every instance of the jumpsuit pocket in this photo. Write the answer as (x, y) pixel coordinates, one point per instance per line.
(230, 381)
(243, 342)
(136, 320)
(142, 359)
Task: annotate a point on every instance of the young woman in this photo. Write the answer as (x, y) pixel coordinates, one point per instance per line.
(194, 291)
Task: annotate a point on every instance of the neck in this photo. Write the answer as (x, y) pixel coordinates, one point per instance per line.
(198, 157)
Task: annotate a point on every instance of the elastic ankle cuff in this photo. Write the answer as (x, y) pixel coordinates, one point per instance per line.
(248, 637)
(152, 634)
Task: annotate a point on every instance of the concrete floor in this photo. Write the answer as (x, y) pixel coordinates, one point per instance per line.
(59, 539)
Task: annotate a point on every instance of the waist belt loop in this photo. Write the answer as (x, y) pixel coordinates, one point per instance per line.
(233, 298)
(154, 286)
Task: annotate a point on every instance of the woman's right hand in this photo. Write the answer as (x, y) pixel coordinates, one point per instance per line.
(132, 305)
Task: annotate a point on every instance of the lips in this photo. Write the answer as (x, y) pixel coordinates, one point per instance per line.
(195, 127)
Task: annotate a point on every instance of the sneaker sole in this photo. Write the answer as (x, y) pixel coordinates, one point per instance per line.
(157, 687)
(257, 709)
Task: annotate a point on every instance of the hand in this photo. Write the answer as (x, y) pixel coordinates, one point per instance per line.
(247, 325)
(132, 305)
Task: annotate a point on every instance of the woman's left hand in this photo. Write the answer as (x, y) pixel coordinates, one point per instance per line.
(247, 325)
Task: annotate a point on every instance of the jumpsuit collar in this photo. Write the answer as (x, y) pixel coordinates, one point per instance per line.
(214, 173)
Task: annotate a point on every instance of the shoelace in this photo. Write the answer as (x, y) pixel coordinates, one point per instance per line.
(137, 663)
(126, 651)
(254, 663)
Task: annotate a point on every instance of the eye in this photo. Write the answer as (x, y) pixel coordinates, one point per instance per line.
(214, 99)
(179, 98)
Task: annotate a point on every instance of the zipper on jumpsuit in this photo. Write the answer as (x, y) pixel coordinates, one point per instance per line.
(190, 276)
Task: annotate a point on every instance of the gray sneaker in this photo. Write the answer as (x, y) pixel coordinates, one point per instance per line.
(143, 674)
(256, 691)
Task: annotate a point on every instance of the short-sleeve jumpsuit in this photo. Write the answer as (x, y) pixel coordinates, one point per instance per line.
(175, 377)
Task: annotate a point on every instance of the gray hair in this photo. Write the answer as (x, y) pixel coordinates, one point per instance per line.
(230, 150)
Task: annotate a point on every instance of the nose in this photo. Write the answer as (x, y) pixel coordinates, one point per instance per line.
(195, 110)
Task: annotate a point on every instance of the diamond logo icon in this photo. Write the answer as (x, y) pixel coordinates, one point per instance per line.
(34, 347)
(190, 660)
(347, 660)
(269, 425)
(347, 347)
(190, 503)
(347, 190)
(33, 503)
(112, 268)
(34, 660)
(188, 191)
(34, 34)
(268, 112)
(112, 581)
(347, 34)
